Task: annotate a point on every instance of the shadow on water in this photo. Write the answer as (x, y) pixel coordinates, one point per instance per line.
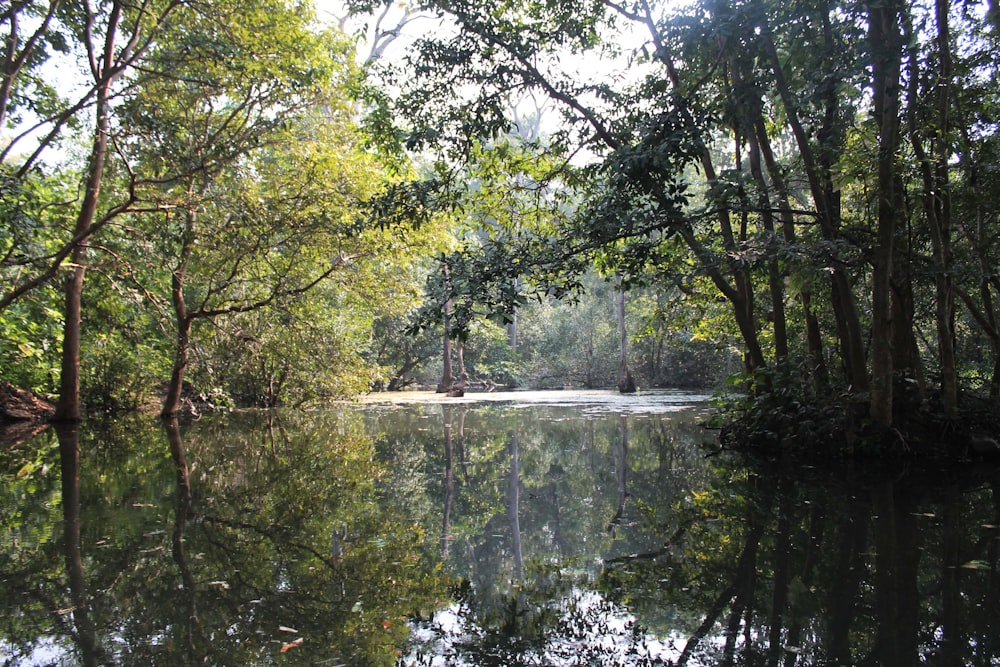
(527, 532)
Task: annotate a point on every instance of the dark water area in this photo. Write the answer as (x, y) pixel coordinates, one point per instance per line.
(560, 528)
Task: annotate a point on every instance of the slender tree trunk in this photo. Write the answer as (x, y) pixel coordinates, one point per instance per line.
(814, 337)
(739, 290)
(514, 506)
(85, 632)
(460, 357)
(512, 326)
(182, 320)
(68, 406)
(449, 484)
(458, 389)
(447, 375)
(934, 171)
(625, 383)
(814, 342)
(739, 296)
(172, 401)
(885, 40)
(907, 366)
(828, 215)
(744, 126)
(775, 280)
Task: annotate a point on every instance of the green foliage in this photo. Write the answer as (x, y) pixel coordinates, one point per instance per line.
(573, 345)
(399, 354)
(300, 352)
(31, 328)
(775, 411)
(30, 343)
(489, 358)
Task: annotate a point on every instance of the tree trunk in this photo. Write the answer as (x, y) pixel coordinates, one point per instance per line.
(814, 342)
(458, 389)
(512, 325)
(907, 366)
(447, 376)
(738, 292)
(814, 337)
(172, 401)
(775, 280)
(885, 40)
(68, 407)
(934, 172)
(514, 506)
(182, 320)
(84, 631)
(625, 383)
(739, 296)
(828, 216)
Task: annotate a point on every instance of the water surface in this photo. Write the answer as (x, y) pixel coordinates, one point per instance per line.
(550, 528)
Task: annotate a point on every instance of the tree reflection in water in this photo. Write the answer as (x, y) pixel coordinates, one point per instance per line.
(752, 566)
(210, 546)
(480, 535)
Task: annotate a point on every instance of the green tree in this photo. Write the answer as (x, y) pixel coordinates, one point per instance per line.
(734, 129)
(250, 163)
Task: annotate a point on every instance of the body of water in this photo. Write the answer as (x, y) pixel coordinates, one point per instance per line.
(535, 528)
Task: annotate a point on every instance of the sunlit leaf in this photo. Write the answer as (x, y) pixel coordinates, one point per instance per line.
(292, 644)
(976, 565)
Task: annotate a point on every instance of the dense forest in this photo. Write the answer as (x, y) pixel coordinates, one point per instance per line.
(252, 203)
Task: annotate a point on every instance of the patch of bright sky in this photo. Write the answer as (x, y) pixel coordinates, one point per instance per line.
(393, 33)
(66, 74)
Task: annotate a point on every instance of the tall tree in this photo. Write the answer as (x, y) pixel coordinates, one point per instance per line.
(113, 41)
(886, 42)
(247, 155)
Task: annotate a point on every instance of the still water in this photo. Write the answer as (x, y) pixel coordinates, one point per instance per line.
(567, 528)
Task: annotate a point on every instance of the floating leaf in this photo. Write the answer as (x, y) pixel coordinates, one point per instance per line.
(292, 644)
(976, 565)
